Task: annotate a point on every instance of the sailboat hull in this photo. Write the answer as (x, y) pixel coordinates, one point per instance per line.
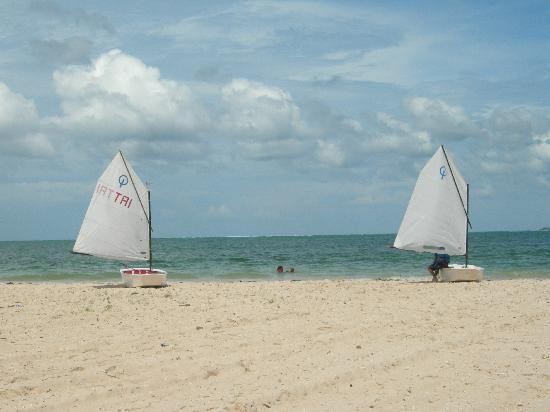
(459, 273)
(143, 277)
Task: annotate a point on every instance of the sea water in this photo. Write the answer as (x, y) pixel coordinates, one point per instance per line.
(504, 255)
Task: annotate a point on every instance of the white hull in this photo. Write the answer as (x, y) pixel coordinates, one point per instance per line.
(143, 277)
(459, 273)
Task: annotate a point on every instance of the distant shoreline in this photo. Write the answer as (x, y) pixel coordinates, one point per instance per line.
(276, 236)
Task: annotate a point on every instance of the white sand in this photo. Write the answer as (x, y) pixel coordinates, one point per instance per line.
(309, 345)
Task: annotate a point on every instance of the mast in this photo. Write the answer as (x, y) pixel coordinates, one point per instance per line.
(151, 229)
(467, 220)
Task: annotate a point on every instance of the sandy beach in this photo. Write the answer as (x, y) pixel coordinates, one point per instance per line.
(291, 345)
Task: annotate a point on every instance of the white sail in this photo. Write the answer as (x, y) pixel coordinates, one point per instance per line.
(435, 220)
(116, 223)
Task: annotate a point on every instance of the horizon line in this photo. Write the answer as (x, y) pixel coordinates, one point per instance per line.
(287, 235)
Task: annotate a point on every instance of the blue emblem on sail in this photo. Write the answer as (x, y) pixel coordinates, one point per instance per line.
(443, 171)
(122, 180)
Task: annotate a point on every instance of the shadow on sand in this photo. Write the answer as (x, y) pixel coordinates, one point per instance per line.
(123, 286)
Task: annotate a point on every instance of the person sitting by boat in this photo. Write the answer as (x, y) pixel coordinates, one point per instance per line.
(441, 260)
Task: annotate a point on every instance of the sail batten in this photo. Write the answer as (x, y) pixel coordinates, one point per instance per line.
(116, 224)
(436, 216)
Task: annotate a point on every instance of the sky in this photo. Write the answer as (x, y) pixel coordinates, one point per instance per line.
(272, 117)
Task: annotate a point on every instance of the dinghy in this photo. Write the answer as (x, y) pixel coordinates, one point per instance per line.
(117, 224)
(437, 219)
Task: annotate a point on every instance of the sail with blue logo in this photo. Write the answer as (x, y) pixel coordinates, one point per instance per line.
(437, 215)
(116, 224)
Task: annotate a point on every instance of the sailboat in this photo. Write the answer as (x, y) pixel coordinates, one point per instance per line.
(437, 219)
(117, 224)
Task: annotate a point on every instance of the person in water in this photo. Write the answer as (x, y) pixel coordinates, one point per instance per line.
(280, 269)
(441, 260)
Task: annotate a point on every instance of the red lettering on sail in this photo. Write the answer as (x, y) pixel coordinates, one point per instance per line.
(118, 198)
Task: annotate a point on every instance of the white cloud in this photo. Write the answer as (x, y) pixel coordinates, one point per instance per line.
(20, 127)
(541, 147)
(517, 141)
(515, 125)
(330, 153)
(398, 137)
(259, 110)
(353, 125)
(118, 101)
(392, 123)
(119, 95)
(264, 119)
(16, 113)
(440, 119)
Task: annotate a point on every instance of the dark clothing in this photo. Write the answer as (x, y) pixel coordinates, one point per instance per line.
(440, 261)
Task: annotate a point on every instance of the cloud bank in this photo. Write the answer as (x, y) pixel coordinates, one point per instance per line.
(119, 102)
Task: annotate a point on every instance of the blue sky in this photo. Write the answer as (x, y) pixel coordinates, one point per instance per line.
(272, 117)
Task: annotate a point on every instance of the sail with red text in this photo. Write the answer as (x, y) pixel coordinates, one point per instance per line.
(116, 224)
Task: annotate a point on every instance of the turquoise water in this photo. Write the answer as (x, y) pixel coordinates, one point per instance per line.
(504, 255)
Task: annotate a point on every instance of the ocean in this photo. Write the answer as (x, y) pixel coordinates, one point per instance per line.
(504, 255)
